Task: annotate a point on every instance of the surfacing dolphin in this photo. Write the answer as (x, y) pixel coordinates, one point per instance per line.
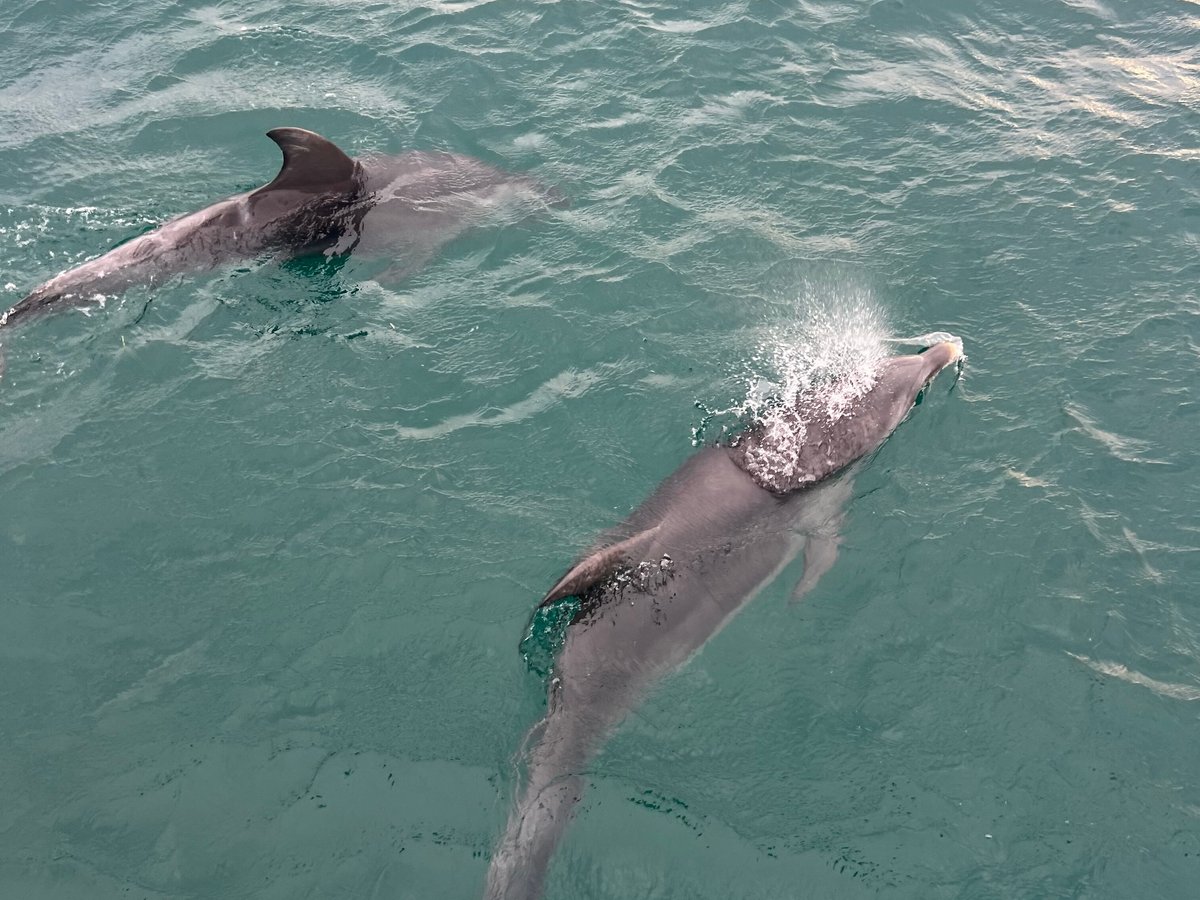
(656, 589)
(322, 201)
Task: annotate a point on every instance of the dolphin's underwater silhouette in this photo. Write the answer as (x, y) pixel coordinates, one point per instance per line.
(322, 201)
(657, 588)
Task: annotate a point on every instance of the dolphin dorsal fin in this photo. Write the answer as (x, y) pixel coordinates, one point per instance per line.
(599, 565)
(311, 163)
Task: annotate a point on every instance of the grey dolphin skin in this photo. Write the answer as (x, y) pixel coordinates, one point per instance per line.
(657, 588)
(322, 201)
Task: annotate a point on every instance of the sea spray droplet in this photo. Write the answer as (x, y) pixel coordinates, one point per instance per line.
(836, 347)
(822, 363)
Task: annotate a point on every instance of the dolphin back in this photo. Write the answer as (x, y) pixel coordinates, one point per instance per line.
(810, 441)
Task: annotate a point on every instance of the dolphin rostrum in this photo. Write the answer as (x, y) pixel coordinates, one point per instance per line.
(657, 588)
(322, 201)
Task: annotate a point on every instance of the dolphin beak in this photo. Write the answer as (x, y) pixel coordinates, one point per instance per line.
(942, 354)
(954, 349)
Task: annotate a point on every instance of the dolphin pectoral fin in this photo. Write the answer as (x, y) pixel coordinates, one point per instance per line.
(310, 162)
(599, 565)
(820, 553)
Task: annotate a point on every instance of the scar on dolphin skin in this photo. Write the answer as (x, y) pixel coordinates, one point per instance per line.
(659, 586)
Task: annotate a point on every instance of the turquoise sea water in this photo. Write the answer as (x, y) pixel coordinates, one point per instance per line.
(268, 550)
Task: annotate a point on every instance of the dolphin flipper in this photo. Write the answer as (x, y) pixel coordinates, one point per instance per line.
(820, 553)
(599, 565)
(821, 550)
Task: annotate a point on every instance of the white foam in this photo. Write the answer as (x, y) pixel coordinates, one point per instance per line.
(822, 363)
(1124, 673)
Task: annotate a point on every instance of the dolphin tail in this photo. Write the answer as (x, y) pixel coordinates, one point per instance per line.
(564, 743)
(519, 865)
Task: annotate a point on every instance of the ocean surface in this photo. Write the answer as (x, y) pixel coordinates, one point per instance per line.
(270, 536)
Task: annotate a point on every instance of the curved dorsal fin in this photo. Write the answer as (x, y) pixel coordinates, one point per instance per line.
(599, 565)
(310, 162)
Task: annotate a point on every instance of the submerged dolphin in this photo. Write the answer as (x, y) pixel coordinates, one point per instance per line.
(322, 201)
(656, 589)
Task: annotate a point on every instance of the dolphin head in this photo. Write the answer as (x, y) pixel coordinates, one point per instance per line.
(812, 439)
(920, 369)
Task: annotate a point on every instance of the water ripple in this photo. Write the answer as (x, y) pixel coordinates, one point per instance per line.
(342, 497)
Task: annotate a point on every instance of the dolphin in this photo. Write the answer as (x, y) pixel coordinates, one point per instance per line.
(322, 201)
(653, 591)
